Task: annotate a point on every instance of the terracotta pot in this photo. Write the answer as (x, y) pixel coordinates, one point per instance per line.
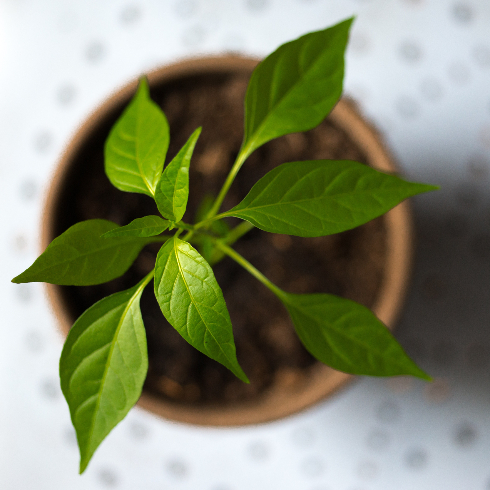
(324, 381)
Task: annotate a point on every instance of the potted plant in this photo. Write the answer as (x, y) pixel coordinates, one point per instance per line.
(104, 362)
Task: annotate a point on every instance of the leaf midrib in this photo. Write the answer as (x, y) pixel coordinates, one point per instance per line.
(109, 357)
(176, 249)
(303, 75)
(80, 255)
(340, 332)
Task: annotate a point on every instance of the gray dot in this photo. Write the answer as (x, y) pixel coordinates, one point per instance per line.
(130, 14)
(50, 389)
(458, 73)
(367, 470)
(481, 54)
(186, 8)
(410, 52)
(194, 36)
(407, 107)
(462, 13)
(465, 435)
(177, 468)
(258, 451)
(24, 292)
(66, 94)
(416, 459)
(20, 243)
(138, 431)
(107, 477)
(28, 189)
(388, 412)
(94, 51)
(43, 141)
(444, 353)
(431, 89)
(34, 341)
(303, 437)
(359, 43)
(378, 440)
(478, 355)
(256, 5)
(313, 467)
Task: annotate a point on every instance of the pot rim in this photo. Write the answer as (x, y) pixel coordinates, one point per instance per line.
(277, 402)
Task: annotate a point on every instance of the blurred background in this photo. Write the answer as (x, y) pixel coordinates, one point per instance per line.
(420, 70)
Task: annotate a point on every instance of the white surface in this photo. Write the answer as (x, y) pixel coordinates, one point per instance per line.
(421, 70)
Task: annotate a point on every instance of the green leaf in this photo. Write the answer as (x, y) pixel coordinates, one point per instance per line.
(137, 144)
(173, 188)
(296, 86)
(80, 257)
(141, 227)
(192, 302)
(103, 366)
(322, 197)
(347, 336)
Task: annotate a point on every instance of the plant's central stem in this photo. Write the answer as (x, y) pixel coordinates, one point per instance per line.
(250, 268)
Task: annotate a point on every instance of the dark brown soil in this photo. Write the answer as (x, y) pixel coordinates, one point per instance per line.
(349, 264)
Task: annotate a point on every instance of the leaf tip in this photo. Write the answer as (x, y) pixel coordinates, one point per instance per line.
(143, 87)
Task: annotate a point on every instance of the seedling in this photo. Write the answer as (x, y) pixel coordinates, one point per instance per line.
(104, 360)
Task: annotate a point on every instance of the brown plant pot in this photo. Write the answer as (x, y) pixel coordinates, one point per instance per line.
(278, 401)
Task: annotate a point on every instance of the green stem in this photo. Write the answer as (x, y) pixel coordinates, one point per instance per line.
(184, 226)
(188, 236)
(230, 239)
(147, 279)
(250, 268)
(240, 160)
(237, 232)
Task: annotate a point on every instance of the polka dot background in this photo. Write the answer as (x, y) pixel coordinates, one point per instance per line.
(420, 70)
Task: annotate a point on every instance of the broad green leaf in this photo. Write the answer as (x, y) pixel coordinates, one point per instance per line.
(173, 188)
(192, 302)
(103, 366)
(80, 257)
(322, 197)
(296, 86)
(347, 336)
(137, 144)
(142, 227)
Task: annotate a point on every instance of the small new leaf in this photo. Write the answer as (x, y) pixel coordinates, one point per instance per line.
(322, 197)
(147, 226)
(80, 257)
(347, 336)
(296, 86)
(103, 366)
(172, 191)
(192, 302)
(137, 144)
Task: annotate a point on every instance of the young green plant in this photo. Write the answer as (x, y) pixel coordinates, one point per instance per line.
(104, 360)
